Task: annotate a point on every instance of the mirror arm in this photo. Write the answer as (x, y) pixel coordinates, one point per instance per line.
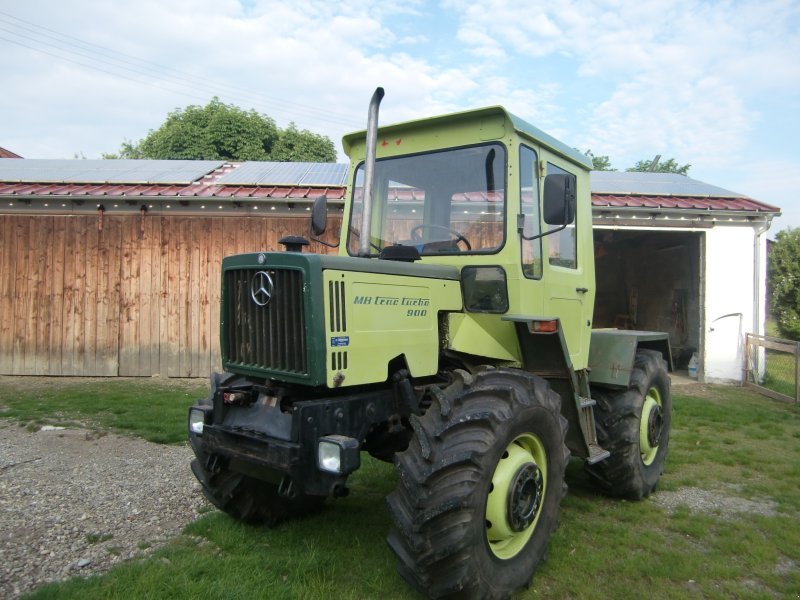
(324, 243)
(521, 228)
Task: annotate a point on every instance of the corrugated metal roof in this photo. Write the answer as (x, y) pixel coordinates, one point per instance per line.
(610, 190)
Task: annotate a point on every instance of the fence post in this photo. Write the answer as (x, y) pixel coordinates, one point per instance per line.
(746, 365)
(796, 373)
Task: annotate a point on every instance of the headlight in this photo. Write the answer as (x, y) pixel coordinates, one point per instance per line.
(338, 454)
(197, 419)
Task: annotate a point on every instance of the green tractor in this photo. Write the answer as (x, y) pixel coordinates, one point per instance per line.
(451, 335)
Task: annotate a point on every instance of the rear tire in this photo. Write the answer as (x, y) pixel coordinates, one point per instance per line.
(252, 500)
(634, 425)
(480, 488)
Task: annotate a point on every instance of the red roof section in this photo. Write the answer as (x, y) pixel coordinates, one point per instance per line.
(233, 192)
(8, 154)
(741, 204)
(195, 190)
(208, 188)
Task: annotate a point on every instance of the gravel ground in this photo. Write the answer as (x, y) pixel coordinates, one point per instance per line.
(75, 502)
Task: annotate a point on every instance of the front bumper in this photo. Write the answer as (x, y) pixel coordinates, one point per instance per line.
(282, 447)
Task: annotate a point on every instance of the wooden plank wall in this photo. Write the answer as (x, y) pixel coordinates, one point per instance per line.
(139, 297)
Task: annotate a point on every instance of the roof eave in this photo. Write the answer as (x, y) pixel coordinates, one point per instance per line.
(697, 212)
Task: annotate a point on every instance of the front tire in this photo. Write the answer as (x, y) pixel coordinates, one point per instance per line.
(252, 500)
(480, 488)
(634, 425)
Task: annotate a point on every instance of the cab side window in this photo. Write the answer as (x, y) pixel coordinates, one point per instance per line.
(562, 247)
(529, 204)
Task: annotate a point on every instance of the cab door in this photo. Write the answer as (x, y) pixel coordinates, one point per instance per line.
(569, 262)
(556, 247)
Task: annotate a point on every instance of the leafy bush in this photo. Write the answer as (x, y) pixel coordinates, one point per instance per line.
(784, 282)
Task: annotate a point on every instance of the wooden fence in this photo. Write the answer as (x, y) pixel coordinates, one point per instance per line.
(772, 366)
(123, 296)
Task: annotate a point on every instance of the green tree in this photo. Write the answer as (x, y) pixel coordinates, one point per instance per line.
(599, 163)
(784, 282)
(126, 150)
(221, 131)
(664, 166)
(294, 145)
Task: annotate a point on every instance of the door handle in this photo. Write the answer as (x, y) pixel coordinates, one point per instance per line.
(581, 290)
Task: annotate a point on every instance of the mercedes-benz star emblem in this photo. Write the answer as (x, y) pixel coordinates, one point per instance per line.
(261, 288)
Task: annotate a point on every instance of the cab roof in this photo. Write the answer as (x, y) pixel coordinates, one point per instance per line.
(521, 126)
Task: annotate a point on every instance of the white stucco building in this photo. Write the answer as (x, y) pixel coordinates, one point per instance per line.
(678, 255)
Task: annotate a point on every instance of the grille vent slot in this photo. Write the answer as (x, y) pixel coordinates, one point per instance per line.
(338, 313)
(339, 360)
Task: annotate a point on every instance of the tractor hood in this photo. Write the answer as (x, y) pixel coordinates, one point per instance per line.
(331, 320)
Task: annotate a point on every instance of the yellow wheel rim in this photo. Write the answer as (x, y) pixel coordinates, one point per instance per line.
(516, 496)
(650, 426)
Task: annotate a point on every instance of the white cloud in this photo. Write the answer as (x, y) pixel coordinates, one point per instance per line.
(701, 122)
(611, 38)
(774, 181)
(679, 70)
(315, 63)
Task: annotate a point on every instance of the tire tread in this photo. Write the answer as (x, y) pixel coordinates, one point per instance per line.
(617, 416)
(434, 507)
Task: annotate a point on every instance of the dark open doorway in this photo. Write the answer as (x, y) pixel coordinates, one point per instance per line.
(651, 280)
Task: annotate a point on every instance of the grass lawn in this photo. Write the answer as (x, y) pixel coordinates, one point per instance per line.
(153, 409)
(724, 523)
(779, 373)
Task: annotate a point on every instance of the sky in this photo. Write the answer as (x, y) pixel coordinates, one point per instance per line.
(715, 84)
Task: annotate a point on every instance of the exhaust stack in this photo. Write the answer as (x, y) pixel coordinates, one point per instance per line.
(369, 171)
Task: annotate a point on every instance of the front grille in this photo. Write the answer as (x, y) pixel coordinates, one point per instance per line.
(271, 337)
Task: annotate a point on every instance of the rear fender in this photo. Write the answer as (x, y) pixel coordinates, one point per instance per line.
(613, 351)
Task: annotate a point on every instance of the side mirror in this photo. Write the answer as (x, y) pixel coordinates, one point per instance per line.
(319, 221)
(559, 199)
(319, 215)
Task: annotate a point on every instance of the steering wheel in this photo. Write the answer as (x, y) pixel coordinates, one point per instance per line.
(415, 233)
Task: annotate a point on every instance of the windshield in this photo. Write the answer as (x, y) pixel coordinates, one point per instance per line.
(444, 202)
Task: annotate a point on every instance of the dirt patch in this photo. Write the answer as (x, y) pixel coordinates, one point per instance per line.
(785, 565)
(714, 502)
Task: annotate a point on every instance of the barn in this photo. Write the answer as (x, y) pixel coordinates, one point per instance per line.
(111, 268)
(678, 255)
